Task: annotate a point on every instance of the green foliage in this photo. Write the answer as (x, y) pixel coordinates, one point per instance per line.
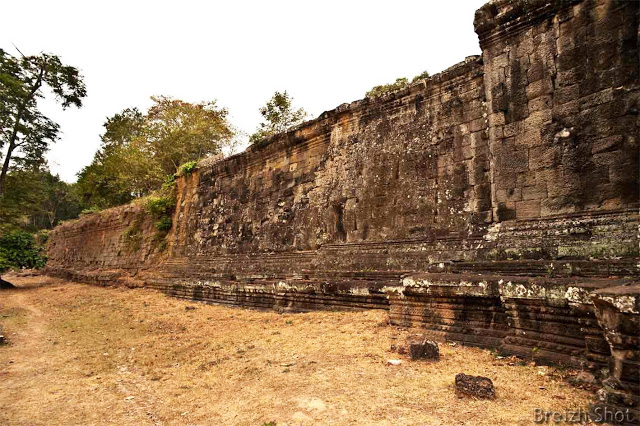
(42, 236)
(422, 76)
(140, 150)
(164, 224)
(279, 116)
(133, 235)
(24, 130)
(169, 182)
(400, 83)
(188, 167)
(35, 199)
(91, 210)
(18, 249)
(159, 206)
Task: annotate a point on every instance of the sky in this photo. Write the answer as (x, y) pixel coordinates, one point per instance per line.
(237, 52)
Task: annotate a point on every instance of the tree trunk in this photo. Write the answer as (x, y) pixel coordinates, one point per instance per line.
(5, 168)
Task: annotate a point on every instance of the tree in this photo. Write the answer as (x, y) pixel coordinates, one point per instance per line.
(178, 132)
(35, 199)
(105, 182)
(23, 128)
(139, 151)
(279, 115)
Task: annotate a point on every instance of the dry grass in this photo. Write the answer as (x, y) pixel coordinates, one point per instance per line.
(90, 355)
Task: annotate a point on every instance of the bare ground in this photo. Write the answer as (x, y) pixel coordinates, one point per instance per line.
(80, 354)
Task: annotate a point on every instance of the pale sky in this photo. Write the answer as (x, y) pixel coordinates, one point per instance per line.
(323, 53)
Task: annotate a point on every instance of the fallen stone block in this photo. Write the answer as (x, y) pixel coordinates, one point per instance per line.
(476, 386)
(422, 348)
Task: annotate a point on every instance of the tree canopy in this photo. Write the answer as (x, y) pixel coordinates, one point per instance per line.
(140, 151)
(24, 130)
(35, 199)
(279, 115)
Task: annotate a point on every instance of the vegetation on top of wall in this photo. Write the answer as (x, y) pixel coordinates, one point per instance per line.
(422, 76)
(90, 210)
(279, 115)
(187, 168)
(400, 83)
(379, 90)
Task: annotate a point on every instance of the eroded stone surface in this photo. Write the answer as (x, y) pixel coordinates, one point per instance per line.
(474, 386)
(494, 204)
(421, 348)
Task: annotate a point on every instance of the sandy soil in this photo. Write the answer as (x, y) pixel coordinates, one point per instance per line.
(79, 354)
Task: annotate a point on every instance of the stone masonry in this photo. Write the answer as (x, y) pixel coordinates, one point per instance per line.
(493, 204)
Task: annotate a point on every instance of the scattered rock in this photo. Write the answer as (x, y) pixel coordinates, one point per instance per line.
(394, 361)
(584, 378)
(422, 348)
(477, 386)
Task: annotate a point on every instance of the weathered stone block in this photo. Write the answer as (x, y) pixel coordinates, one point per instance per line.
(510, 194)
(539, 88)
(475, 386)
(534, 193)
(527, 209)
(421, 348)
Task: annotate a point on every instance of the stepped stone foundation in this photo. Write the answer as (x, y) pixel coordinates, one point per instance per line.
(495, 203)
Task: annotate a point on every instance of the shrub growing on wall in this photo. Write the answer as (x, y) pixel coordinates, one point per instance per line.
(400, 83)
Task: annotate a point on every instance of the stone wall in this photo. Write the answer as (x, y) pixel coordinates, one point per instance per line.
(494, 204)
(562, 92)
(411, 167)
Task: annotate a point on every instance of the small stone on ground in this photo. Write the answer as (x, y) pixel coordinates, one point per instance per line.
(476, 386)
(422, 348)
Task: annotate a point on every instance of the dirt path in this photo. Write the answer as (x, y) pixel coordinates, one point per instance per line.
(87, 355)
